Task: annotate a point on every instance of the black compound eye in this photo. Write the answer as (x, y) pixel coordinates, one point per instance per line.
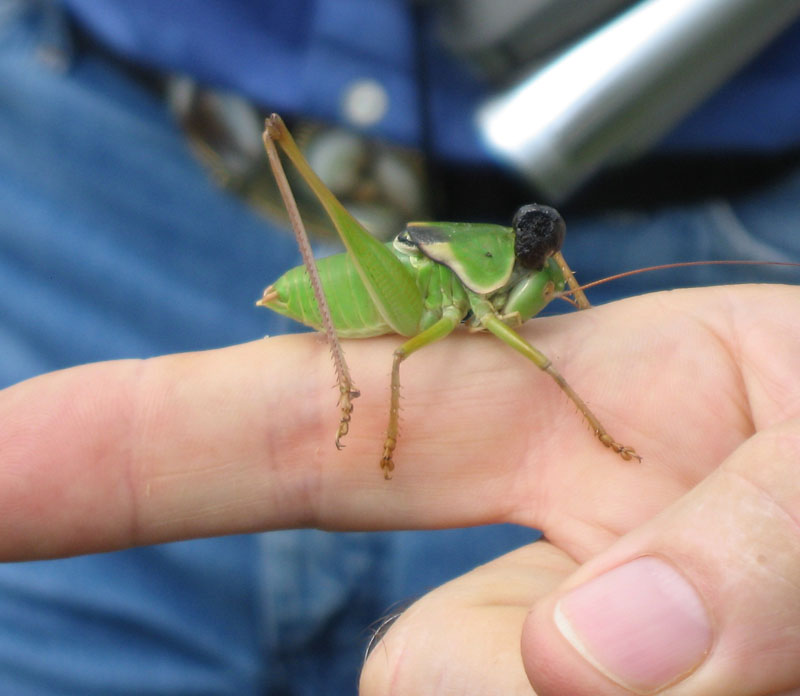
(539, 231)
(404, 238)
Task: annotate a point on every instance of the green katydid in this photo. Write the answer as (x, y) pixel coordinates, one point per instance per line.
(431, 278)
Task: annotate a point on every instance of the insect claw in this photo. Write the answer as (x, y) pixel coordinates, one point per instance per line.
(387, 463)
(344, 428)
(627, 453)
(346, 407)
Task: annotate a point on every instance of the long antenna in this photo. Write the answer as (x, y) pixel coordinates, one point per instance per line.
(680, 264)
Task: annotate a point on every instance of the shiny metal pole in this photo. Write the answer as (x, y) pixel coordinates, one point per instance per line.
(612, 94)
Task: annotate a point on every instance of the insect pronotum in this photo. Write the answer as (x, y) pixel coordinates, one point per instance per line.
(493, 278)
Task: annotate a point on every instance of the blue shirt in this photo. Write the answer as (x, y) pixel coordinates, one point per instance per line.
(302, 56)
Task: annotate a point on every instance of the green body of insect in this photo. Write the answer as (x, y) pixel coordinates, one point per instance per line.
(444, 287)
(431, 278)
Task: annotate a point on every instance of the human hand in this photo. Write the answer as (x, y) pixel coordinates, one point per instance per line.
(241, 439)
(706, 385)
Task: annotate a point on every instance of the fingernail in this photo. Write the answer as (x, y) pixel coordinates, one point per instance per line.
(641, 624)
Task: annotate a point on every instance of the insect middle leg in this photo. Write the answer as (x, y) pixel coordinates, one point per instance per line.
(450, 319)
(513, 339)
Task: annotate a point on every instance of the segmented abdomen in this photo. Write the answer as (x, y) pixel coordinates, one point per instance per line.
(353, 313)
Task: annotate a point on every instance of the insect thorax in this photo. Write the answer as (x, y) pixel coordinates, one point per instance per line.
(523, 296)
(439, 286)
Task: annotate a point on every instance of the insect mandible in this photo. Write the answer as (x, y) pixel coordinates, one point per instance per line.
(431, 278)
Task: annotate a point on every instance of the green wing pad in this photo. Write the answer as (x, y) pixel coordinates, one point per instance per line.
(481, 255)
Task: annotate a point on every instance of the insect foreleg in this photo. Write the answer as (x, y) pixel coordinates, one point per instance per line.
(444, 326)
(577, 292)
(513, 339)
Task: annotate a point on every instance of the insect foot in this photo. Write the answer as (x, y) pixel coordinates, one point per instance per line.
(346, 396)
(627, 453)
(387, 463)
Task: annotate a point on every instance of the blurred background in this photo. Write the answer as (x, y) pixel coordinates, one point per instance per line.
(138, 217)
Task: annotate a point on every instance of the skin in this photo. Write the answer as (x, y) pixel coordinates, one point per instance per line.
(703, 383)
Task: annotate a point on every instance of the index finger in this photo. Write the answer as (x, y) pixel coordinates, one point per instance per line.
(234, 440)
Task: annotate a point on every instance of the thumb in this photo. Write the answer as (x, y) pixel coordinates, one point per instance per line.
(703, 599)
